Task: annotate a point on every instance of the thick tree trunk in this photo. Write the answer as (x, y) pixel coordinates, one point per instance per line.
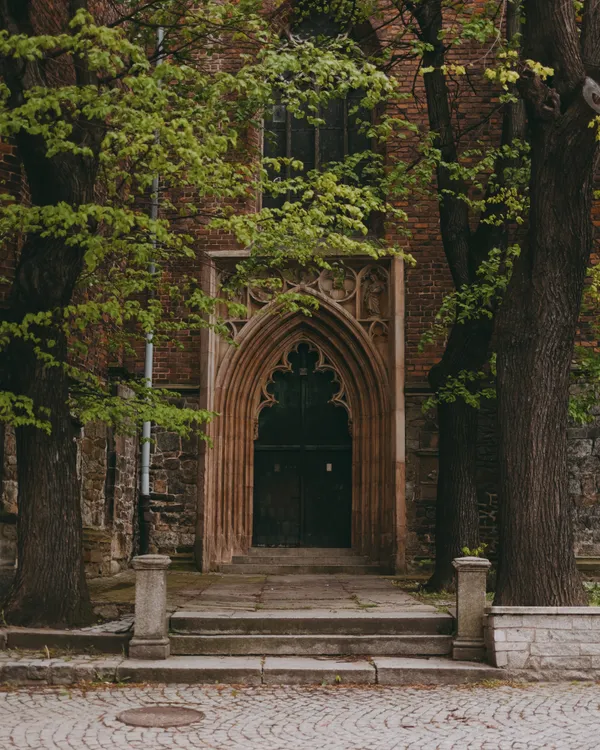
(537, 327)
(457, 517)
(467, 349)
(49, 587)
(457, 512)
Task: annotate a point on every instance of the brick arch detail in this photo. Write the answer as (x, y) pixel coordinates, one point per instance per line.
(239, 387)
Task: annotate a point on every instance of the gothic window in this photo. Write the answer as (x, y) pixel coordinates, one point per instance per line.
(338, 136)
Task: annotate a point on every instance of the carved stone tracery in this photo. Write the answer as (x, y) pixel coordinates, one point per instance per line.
(323, 364)
(362, 290)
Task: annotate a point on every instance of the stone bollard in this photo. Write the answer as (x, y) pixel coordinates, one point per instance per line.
(150, 634)
(471, 578)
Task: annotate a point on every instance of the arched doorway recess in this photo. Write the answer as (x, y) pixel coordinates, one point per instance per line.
(240, 388)
(303, 456)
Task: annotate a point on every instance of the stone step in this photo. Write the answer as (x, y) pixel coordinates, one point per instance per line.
(182, 561)
(300, 568)
(311, 622)
(311, 645)
(249, 670)
(310, 552)
(270, 560)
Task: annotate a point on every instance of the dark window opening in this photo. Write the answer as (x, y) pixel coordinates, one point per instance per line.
(340, 134)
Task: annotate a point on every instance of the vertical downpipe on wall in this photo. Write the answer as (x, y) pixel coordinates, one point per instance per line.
(144, 503)
(398, 415)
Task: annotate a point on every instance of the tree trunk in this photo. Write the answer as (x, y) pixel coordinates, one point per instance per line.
(537, 327)
(49, 587)
(457, 512)
(457, 519)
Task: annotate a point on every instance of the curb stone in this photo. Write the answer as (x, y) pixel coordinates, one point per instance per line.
(272, 670)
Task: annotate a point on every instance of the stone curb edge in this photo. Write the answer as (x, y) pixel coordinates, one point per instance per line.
(39, 638)
(247, 671)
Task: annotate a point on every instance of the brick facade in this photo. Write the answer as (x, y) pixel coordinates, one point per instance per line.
(184, 485)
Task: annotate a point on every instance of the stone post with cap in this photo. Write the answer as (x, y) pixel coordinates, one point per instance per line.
(150, 634)
(471, 579)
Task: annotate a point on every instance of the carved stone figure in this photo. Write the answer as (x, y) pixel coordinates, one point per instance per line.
(374, 286)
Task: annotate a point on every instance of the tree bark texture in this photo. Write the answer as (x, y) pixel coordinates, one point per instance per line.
(467, 348)
(538, 320)
(49, 587)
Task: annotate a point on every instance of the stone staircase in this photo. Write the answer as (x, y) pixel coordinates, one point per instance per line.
(302, 560)
(319, 647)
(311, 633)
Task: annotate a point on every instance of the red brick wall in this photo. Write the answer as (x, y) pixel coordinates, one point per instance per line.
(426, 282)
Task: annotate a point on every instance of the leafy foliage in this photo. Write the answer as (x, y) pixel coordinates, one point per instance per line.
(188, 122)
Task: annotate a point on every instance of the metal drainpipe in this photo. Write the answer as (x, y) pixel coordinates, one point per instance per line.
(144, 504)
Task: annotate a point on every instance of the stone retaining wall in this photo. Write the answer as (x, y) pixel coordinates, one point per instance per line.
(545, 642)
(108, 473)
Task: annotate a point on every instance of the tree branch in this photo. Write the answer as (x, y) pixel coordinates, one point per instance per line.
(454, 214)
(551, 38)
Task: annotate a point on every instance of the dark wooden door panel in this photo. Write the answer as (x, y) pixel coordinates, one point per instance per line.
(327, 498)
(277, 503)
(303, 461)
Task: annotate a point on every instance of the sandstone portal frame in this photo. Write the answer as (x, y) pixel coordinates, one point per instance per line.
(225, 523)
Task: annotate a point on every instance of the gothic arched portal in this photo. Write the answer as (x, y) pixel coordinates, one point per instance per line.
(241, 394)
(303, 456)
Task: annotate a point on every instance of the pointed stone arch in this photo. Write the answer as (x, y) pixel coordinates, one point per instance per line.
(339, 398)
(240, 385)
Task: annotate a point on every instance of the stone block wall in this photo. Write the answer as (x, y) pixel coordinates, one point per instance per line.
(545, 643)
(97, 552)
(93, 463)
(8, 540)
(108, 472)
(174, 492)
(8, 498)
(109, 497)
(122, 487)
(584, 487)
(8, 470)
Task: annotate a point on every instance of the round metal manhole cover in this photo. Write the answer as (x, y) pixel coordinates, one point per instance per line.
(160, 716)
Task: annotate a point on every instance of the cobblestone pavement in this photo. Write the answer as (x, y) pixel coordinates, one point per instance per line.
(294, 718)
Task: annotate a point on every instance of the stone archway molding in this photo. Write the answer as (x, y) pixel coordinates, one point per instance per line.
(240, 390)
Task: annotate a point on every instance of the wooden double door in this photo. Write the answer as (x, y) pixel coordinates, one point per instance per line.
(303, 461)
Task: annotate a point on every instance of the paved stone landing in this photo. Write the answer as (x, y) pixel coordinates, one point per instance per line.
(266, 593)
(535, 717)
(191, 591)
